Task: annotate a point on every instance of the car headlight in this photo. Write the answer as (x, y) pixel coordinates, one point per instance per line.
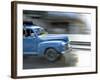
(67, 46)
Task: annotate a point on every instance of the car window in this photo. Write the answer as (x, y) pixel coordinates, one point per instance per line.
(28, 32)
(23, 32)
(40, 31)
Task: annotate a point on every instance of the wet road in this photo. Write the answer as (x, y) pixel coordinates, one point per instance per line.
(76, 57)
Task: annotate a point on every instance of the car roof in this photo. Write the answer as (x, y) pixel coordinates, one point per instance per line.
(33, 27)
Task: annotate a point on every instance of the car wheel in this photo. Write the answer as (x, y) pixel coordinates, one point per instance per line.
(51, 55)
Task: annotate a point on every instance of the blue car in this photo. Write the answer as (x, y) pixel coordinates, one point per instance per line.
(36, 41)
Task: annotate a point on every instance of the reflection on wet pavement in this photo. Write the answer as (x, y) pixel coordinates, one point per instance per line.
(31, 62)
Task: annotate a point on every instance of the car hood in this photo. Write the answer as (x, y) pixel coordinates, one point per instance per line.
(49, 37)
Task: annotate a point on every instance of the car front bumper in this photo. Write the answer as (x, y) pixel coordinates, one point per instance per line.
(66, 51)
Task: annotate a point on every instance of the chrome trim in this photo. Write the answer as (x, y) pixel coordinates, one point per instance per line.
(66, 51)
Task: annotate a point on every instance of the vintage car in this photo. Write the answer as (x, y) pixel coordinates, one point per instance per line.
(36, 41)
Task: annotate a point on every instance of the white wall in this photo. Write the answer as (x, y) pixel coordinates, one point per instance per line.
(5, 40)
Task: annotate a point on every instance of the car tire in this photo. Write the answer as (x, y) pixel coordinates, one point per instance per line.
(52, 55)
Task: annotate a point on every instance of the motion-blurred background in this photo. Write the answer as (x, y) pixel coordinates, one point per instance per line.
(59, 22)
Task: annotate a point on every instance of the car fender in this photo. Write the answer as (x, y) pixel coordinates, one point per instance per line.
(57, 45)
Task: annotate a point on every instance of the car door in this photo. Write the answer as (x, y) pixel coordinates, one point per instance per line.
(29, 41)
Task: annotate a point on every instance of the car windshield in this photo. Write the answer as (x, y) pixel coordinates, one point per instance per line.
(40, 31)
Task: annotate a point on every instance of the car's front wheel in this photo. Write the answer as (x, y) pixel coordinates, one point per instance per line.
(52, 55)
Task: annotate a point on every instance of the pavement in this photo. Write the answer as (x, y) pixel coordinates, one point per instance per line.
(76, 57)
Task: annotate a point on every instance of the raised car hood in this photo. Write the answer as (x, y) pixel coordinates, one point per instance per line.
(50, 37)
